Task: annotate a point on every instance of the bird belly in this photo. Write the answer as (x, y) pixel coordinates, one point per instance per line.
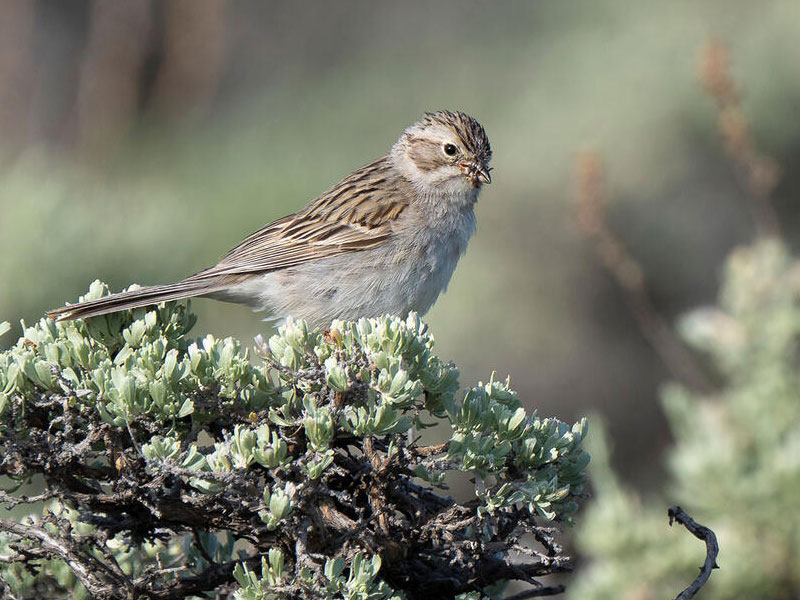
(394, 278)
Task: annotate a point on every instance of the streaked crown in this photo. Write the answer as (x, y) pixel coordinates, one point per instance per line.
(444, 151)
(469, 131)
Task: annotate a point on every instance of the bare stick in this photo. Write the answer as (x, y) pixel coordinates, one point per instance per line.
(676, 513)
(550, 590)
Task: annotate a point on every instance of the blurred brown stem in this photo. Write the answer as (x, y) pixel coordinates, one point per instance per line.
(17, 72)
(758, 172)
(629, 275)
(115, 54)
(194, 56)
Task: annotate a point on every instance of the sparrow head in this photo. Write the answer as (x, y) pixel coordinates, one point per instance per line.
(445, 152)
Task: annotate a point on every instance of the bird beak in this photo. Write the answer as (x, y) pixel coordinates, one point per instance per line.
(476, 173)
(483, 174)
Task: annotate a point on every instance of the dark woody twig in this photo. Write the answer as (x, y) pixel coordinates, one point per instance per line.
(676, 513)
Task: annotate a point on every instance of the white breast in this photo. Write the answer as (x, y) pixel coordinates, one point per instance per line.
(438, 246)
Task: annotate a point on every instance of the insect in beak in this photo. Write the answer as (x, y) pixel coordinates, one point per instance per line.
(476, 173)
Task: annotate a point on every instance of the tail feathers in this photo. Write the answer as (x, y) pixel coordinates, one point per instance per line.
(145, 296)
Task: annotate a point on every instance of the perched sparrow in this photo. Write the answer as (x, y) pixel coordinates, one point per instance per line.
(385, 239)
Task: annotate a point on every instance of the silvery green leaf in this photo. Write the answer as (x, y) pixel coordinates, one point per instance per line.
(194, 461)
(206, 486)
(44, 375)
(336, 376)
(334, 567)
(316, 467)
(276, 562)
(186, 409)
(133, 335)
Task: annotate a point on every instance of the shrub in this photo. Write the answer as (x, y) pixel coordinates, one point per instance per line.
(169, 467)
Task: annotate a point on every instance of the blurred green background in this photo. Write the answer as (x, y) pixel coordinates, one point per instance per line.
(141, 140)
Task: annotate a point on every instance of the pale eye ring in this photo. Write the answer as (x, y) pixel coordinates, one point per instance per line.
(450, 149)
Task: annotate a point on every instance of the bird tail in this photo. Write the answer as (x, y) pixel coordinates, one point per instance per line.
(145, 296)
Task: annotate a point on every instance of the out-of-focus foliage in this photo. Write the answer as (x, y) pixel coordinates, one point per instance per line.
(735, 466)
(306, 460)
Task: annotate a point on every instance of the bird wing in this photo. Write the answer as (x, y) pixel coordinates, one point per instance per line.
(356, 214)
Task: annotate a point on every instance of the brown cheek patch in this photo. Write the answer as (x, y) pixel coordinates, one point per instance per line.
(426, 155)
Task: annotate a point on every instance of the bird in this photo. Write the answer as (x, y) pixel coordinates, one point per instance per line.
(383, 240)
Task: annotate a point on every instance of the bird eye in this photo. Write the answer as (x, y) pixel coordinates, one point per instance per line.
(450, 149)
